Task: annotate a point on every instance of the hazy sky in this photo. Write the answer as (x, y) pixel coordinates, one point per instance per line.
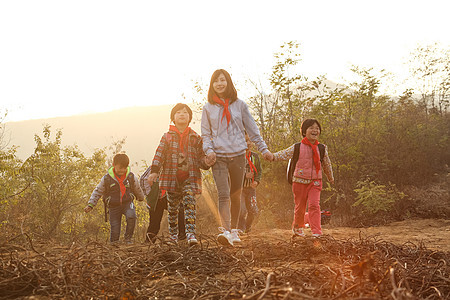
(62, 58)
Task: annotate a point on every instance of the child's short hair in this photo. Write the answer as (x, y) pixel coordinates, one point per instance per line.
(308, 123)
(178, 107)
(121, 159)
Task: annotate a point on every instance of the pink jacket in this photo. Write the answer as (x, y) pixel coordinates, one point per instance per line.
(305, 167)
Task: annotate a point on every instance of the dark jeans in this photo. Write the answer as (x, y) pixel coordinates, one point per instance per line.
(155, 218)
(248, 208)
(229, 174)
(115, 219)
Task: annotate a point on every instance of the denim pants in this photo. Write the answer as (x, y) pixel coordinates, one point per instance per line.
(228, 174)
(248, 209)
(115, 219)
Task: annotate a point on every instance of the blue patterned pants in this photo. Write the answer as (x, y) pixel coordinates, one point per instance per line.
(184, 194)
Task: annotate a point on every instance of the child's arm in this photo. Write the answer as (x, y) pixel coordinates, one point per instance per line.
(137, 191)
(285, 154)
(96, 195)
(201, 155)
(206, 133)
(252, 130)
(160, 155)
(326, 164)
(158, 159)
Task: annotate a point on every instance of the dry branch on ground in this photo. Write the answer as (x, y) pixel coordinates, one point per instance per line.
(305, 268)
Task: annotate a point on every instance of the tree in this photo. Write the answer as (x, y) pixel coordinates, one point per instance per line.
(62, 181)
(371, 137)
(430, 72)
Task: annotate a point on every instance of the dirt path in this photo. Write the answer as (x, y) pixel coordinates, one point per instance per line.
(434, 233)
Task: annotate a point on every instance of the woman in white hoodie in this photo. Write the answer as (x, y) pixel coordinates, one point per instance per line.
(225, 120)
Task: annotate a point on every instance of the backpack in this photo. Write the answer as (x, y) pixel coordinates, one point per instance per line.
(293, 161)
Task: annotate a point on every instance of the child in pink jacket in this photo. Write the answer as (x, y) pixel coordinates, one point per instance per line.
(307, 177)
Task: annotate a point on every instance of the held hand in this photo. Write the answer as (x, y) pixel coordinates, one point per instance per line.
(152, 177)
(254, 184)
(87, 209)
(211, 159)
(268, 156)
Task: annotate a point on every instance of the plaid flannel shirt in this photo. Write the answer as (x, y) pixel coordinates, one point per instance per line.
(165, 161)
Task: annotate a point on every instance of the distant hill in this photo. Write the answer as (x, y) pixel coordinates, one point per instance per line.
(142, 127)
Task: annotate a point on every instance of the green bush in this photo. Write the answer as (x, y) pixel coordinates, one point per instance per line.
(375, 198)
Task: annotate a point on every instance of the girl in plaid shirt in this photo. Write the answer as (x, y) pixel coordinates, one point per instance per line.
(177, 161)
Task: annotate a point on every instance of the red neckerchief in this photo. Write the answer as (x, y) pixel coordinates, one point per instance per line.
(123, 189)
(316, 156)
(183, 136)
(250, 163)
(226, 112)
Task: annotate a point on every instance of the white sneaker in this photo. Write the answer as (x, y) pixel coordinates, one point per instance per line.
(191, 240)
(316, 235)
(235, 236)
(298, 231)
(225, 238)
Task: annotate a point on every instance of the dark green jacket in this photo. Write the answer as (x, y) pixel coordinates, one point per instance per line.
(258, 174)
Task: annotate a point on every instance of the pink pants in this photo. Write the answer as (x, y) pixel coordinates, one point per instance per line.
(307, 193)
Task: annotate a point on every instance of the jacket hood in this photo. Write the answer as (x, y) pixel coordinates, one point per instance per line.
(111, 172)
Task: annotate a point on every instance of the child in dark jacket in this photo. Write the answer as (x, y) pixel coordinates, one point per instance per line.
(177, 162)
(252, 178)
(119, 187)
(307, 177)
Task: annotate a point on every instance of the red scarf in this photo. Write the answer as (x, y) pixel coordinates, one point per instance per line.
(226, 112)
(316, 155)
(123, 189)
(250, 163)
(183, 136)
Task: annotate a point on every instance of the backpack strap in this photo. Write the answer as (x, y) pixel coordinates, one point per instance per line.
(321, 151)
(131, 179)
(293, 162)
(106, 195)
(107, 186)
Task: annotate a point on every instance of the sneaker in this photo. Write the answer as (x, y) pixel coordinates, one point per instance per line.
(235, 236)
(298, 231)
(316, 235)
(225, 238)
(306, 225)
(191, 240)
